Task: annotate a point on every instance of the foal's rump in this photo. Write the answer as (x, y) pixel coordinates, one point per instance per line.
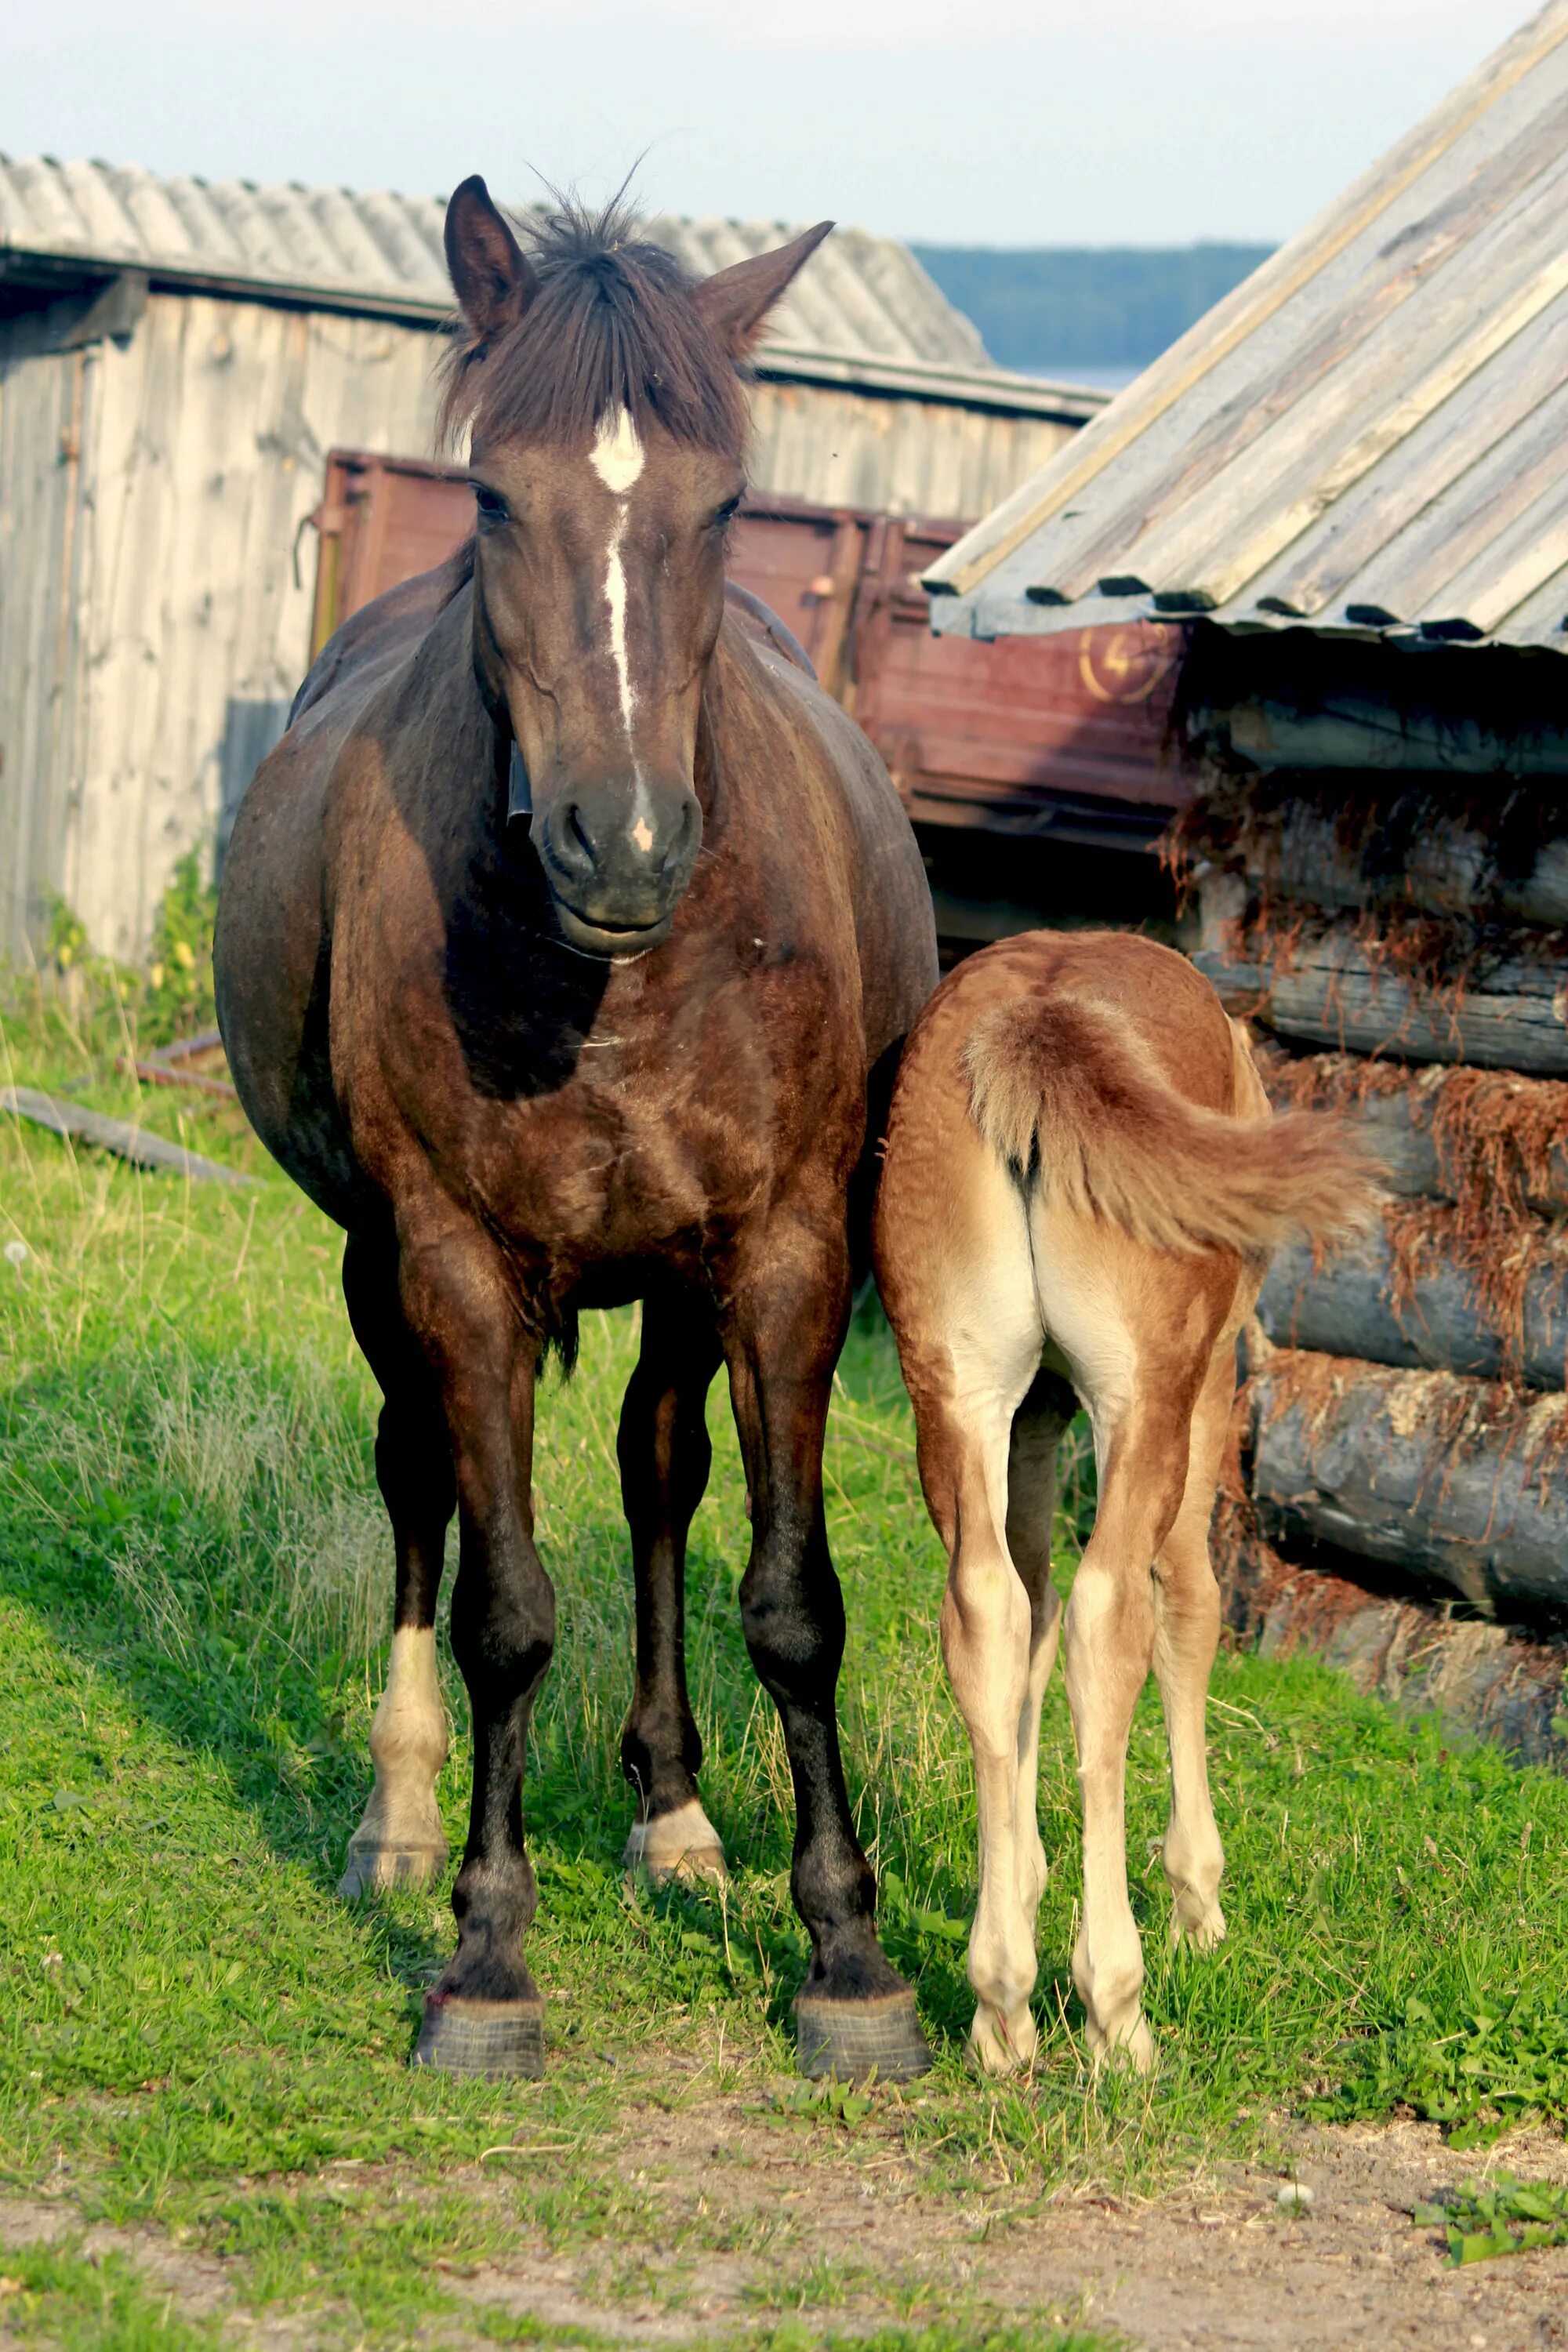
(1105, 1073)
(1081, 1155)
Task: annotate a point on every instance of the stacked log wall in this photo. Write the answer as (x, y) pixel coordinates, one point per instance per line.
(1400, 949)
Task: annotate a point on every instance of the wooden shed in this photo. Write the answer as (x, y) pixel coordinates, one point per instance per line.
(1344, 493)
(177, 359)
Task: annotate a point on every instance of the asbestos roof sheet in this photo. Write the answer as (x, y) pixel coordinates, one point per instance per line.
(859, 299)
(1369, 436)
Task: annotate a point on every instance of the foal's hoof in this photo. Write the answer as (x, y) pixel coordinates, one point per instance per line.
(1129, 2045)
(1203, 1928)
(851, 2039)
(368, 1868)
(482, 2037)
(999, 2044)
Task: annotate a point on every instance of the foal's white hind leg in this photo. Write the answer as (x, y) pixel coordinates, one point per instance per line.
(1187, 1635)
(1109, 1647)
(400, 1840)
(965, 1412)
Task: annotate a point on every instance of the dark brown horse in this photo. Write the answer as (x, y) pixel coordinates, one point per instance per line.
(566, 946)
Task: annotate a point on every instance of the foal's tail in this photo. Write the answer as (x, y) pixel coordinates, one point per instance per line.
(1066, 1090)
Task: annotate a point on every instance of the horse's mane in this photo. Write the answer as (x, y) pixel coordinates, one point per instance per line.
(611, 325)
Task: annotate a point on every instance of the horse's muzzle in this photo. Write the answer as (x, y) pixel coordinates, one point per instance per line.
(618, 863)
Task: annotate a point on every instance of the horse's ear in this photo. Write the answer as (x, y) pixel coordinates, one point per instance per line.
(736, 301)
(492, 278)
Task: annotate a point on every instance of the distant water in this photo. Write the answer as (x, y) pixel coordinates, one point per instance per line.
(1093, 379)
(1084, 315)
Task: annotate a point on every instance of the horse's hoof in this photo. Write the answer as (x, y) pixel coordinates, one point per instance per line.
(482, 2037)
(681, 1845)
(369, 1868)
(1203, 1933)
(852, 2039)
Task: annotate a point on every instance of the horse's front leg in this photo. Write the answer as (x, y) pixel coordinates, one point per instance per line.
(400, 1840)
(484, 2014)
(786, 1310)
(665, 1458)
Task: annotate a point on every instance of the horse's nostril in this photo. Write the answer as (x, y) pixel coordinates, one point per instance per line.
(580, 833)
(678, 841)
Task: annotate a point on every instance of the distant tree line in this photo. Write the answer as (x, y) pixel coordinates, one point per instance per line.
(1062, 307)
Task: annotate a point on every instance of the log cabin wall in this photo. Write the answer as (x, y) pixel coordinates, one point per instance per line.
(1379, 848)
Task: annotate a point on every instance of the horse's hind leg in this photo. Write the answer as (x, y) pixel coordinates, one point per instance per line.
(1187, 1635)
(1038, 1426)
(664, 1457)
(953, 1257)
(400, 1840)
(1142, 1441)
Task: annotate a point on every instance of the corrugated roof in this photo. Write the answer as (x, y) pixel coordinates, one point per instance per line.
(859, 299)
(1370, 435)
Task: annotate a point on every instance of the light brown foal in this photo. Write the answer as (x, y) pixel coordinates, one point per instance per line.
(1083, 1181)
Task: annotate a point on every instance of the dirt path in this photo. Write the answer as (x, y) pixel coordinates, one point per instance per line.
(843, 2233)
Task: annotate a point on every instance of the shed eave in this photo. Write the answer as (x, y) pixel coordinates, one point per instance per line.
(1005, 612)
(994, 390)
(986, 388)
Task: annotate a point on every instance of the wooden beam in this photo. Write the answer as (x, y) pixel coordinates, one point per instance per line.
(1345, 1306)
(1449, 1479)
(1329, 991)
(116, 1135)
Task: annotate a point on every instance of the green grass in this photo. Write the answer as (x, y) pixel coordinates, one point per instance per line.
(194, 1589)
(1500, 2216)
(58, 2297)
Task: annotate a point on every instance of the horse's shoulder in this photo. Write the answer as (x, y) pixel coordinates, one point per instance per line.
(763, 686)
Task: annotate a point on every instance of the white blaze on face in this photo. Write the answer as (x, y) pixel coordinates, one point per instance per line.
(616, 458)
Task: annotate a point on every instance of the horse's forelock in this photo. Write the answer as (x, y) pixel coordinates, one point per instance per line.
(611, 326)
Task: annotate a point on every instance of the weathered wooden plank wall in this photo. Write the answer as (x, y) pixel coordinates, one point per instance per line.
(834, 446)
(43, 520)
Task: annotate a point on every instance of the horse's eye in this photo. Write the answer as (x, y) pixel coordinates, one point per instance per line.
(727, 513)
(493, 509)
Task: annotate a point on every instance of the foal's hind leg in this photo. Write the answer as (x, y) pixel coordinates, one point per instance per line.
(970, 1338)
(400, 1840)
(1187, 1635)
(1038, 1426)
(664, 1457)
(1143, 1447)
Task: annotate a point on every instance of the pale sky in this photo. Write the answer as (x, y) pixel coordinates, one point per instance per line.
(955, 121)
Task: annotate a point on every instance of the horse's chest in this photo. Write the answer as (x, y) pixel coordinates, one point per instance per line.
(617, 1166)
